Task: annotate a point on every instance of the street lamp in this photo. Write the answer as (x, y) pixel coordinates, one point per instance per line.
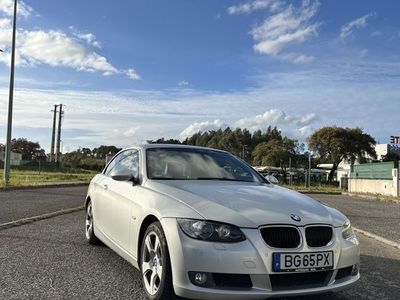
(10, 101)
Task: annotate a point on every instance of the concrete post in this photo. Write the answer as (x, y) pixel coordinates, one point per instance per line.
(58, 145)
(53, 134)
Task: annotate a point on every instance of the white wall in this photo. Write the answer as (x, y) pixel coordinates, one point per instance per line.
(14, 156)
(375, 186)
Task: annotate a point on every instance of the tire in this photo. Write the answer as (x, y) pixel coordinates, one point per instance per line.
(89, 226)
(155, 264)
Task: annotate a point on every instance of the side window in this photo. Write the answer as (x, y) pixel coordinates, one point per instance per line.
(112, 164)
(125, 164)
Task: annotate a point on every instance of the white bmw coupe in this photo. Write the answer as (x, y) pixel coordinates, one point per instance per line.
(202, 224)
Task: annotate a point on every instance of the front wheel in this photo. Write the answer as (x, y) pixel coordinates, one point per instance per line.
(89, 226)
(155, 264)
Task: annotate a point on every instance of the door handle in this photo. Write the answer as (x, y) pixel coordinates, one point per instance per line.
(105, 186)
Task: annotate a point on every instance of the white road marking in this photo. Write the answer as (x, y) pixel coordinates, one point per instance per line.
(378, 238)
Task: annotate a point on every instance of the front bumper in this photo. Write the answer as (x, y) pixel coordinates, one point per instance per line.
(252, 257)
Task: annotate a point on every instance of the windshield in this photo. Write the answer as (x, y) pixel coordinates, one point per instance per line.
(197, 164)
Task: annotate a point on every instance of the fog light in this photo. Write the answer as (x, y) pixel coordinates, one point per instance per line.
(200, 278)
(354, 270)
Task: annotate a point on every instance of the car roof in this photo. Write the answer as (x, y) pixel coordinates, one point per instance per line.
(180, 146)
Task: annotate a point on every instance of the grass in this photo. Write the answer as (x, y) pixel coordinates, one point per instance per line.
(33, 177)
(314, 188)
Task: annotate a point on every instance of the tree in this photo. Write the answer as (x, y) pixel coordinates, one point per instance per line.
(164, 141)
(336, 144)
(103, 151)
(29, 150)
(276, 153)
(392, 156)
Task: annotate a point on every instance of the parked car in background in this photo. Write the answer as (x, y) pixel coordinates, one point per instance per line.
(272, 179)
(200, 223)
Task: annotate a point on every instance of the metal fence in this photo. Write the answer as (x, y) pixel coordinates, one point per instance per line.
(381, 170)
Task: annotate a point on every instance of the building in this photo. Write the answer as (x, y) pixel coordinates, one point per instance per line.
(384, 149)
(15, 158)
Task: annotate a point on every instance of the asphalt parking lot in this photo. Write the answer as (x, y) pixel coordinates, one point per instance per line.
(50, 259)
(24, 203)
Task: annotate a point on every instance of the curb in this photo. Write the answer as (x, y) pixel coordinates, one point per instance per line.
(39, 217)
(377, 238)
(319, 193)
(41, 186)
(373, 197)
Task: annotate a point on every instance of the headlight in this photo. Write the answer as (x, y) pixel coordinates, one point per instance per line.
(210, 231)
(347, 231)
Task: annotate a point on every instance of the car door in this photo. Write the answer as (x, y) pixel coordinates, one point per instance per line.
(116, 202)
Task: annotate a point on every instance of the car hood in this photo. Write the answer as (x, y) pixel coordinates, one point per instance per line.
(247, 204)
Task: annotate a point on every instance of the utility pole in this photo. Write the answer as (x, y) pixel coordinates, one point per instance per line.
(58, 153)
(290, 171)
(7, 159)
(244, 150)
(53, 135)
(309, 169)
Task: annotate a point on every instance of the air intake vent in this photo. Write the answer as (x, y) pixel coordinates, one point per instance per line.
(232, 281)
(318, 236)
(281, 237)
(297, 281)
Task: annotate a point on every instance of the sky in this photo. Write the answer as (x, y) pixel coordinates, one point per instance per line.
(130, 71)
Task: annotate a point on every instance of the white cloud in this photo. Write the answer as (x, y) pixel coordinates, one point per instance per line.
(331, 92)
(349, 28)
(298, 58)
(57, 49)
(269, 118)
(363, 53)
(131, 132)
(131, 73)
(7, 8)
(183, 83)
(298, 127)
(5, 23)
(202, 126)
(246, 8)
(292, 25)
(294, 126)
(376, 33)
(308, 119)
(88, 37)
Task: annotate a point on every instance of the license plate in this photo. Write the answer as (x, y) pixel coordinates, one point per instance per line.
(302, 262)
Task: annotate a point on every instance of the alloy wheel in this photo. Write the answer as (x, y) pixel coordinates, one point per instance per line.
(89, 221)
(152, 268)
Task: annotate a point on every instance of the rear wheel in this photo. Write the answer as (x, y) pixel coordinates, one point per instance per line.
(89, 225)
(155, 264)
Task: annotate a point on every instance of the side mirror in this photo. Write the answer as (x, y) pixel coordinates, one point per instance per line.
(126, 177)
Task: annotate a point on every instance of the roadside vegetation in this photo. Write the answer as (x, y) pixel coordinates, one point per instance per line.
(329, 145)
(315, 188)
(34, 177)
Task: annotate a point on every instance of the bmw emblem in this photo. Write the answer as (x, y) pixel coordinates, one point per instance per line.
(295, 217)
